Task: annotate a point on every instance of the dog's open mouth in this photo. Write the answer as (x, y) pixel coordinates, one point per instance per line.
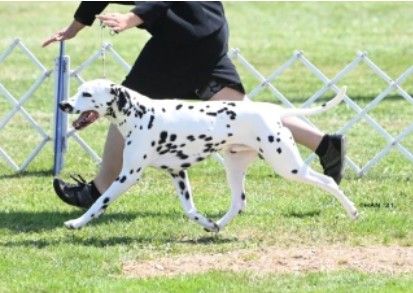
(86, 118)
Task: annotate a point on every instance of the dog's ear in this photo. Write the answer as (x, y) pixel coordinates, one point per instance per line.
(114, 90)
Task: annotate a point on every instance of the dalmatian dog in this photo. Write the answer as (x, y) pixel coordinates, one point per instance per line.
(174, 135)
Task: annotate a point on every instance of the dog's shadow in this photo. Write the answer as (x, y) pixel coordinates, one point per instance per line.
(27, 222)
(36, 221)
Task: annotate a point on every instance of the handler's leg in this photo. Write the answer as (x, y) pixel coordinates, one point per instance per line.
(111, 160)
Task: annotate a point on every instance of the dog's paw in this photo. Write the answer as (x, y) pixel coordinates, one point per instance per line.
(354, 214)
(73, 224)
(213, 228)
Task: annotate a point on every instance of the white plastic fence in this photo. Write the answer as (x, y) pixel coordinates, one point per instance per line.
(263, 83)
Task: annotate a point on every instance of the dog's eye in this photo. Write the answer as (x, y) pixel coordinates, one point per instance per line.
(86, 95)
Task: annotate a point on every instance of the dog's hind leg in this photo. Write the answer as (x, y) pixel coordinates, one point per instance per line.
(282, 154)
(236, 165)
(183, 188)
(307, 175)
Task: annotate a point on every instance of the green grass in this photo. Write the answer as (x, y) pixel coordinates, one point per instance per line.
(38, 253)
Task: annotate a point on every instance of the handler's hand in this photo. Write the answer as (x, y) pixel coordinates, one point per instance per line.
(65, 34)
(119, 22)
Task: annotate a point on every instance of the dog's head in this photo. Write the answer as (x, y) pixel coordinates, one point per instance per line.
(92, 100)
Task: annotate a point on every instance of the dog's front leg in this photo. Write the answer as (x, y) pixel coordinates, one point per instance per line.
(126, 179)
(183, 188)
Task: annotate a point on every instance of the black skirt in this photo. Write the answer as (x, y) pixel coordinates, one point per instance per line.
(196, 70)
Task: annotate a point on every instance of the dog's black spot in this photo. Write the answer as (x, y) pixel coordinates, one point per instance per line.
(181, 185)
(131, 171)
(163, 135)
(163, 110)
(209, 138)
(279, 150)
(201, 110)
(178, 106)
(87, 95)
(106, 200)
(181, 174)
(153, 143)
(260, 150)
(199, 159)
(104, 207)
(121, 101)
(211, 113)
(129, 142)
(145, 156)
(232, 115)
(181, 155)
(92, 215)
(222, 110)
(150, 124)
(172, 137)
(201, 136)
(187, 196)
(190, 107)
(228, 126)
(190, 137)
(196, 218)
(258, 139)
(295, 171)
(278, 139)
(243, 196)
(230, 134)
(323, 105)
(186, 165)
(122, 179)
(231, 104)
(138, 170)
(271, 138)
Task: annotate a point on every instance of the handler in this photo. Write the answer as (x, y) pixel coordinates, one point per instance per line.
(185, 58)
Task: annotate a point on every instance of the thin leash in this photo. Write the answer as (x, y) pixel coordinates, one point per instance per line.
(103, 47)
(102, 50)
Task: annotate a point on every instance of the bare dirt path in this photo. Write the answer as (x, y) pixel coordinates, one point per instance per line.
(370, 259)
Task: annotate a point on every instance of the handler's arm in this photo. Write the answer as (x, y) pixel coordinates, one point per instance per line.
(84, 16)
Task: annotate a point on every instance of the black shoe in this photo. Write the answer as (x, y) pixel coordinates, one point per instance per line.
(80, 195)
(333, 157)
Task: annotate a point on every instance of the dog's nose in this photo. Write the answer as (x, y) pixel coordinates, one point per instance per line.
(65, 107)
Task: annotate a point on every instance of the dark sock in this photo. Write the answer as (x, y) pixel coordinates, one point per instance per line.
(322, 147)
(95, 192)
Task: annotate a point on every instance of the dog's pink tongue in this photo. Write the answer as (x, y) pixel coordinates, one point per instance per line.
(86, 118)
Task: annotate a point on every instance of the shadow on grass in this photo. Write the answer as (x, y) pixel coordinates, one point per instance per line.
(32, 222)
(302, 214)
(27, 221)
(39, 173)
(206, 240)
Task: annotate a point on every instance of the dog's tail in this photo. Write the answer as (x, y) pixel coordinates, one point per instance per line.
(315, 110)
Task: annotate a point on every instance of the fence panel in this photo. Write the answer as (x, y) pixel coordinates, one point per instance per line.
(263, 83)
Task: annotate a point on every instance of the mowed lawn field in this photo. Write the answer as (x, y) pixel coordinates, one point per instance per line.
(292, 238)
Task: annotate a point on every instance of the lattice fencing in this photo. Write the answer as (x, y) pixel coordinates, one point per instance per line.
(263, 84)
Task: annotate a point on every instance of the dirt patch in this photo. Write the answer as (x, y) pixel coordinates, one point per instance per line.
(373, 259)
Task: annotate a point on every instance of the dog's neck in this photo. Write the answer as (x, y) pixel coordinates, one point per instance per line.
(128, 105)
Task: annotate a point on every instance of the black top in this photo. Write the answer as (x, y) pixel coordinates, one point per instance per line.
(178, 21)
